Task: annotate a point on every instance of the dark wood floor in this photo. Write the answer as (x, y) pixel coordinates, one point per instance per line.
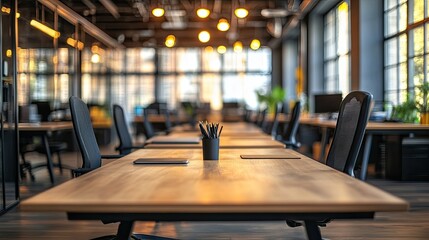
(405, 225)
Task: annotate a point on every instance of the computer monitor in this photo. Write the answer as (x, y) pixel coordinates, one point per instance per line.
(327, 103)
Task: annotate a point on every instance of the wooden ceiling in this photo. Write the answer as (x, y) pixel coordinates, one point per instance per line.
(132, 24)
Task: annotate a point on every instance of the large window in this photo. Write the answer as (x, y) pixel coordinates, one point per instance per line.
(124, 77)
(337, 49)
(128, 77)
(406, 47)
(204, 75)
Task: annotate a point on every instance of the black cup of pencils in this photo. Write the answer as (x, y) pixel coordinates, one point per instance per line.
(211, 133)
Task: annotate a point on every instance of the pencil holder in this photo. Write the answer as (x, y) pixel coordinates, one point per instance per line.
(211, 149)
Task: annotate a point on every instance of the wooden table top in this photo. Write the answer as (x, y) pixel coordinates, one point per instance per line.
(45, 126)
(238, 128)
(261, 136)
(230, 185)
(56, 126)
(225, 142)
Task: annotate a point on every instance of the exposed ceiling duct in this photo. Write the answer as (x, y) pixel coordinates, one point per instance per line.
(275, 27)
(111, 7)
(175, 18)
(75, 18)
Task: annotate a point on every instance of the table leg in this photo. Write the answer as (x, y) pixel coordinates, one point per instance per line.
(323, 143)
(313, 231)
(49, 163)
(124, 230)
(365, 157)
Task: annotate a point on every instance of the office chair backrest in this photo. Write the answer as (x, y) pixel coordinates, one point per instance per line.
(125, 141)
(275, 124)
(292, 127)
(84, 132)
(168, 123)
(262, 118)
(43, 109)
(349, 132)
(147, 125)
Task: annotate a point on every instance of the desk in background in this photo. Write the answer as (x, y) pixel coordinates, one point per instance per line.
(373, 128)
(42, 130)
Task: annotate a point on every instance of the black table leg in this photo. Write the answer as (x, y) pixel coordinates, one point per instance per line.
(124, 230)
(365, 157)
(48, 158)
(313, 231)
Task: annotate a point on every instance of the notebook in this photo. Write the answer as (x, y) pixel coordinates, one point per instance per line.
(161, 161)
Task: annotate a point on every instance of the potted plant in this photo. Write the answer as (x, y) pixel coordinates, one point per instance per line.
(406, 111)
(422, 102)
(270, 99)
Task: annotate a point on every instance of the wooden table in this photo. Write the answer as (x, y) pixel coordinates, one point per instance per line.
(229, 129)
(372, 128)
(260, 136)
(231, 189)
(225, 142)
(42, 130)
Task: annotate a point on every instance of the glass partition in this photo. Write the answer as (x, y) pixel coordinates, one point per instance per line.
(9, 192)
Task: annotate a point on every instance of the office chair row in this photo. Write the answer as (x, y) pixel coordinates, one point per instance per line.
(287, 135)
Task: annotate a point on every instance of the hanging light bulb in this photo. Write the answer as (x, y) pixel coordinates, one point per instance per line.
(223, 25)
(8, 53)
(255, 44)
(208, 49)
(7, 10)
(95, 58)
(203, 12)
(170, 41)
(241, 12)
(221, 49)
(204, 36)
(238, 47)
(75, 43)
(95, 48)
(158, 12)
(49, 31)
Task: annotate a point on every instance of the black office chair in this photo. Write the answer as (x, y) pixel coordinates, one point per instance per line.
(125, 140)
(247, 115)
(348, 136)
(27, 145)
(89, 149)
(85, 136)
(349, 132)
(289, 134)
(272, 128)
(261, 120)
(147, 126)
(168, 123)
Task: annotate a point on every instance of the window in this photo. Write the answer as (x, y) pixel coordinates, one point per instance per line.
(211, 77)
(406, 47)
(337, 49)
(125, 77)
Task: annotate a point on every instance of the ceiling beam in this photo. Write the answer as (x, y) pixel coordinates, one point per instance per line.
(75, 18)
